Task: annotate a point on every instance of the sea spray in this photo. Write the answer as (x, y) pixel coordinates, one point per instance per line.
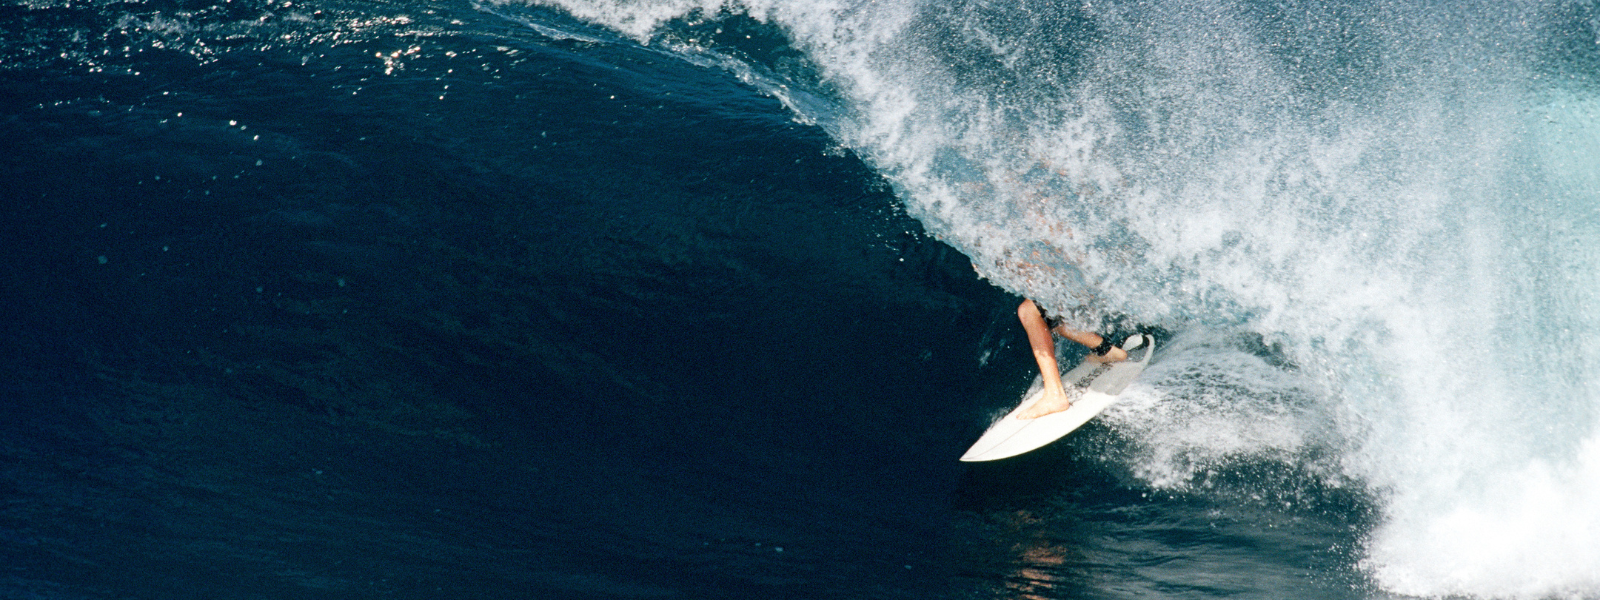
(1399, 200)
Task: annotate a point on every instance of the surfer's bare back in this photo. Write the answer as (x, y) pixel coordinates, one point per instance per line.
(1039, 327)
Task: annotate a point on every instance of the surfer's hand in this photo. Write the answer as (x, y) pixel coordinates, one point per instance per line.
(1053, 400)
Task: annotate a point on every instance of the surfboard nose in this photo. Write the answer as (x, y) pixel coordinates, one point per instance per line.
(1140, 341)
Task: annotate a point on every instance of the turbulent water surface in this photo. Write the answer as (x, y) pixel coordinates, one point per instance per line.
(703, 298)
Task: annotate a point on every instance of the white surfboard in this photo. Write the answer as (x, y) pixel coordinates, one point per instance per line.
(1092, 386)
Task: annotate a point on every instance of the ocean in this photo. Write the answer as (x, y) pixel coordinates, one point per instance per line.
(703, 298)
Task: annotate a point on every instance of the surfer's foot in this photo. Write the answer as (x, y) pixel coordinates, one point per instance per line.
(1047, 405)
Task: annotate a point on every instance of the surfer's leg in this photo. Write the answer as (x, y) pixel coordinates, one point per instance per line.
(1054, 399)
(1091, 341)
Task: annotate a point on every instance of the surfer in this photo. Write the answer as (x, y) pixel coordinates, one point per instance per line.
(1039, 326)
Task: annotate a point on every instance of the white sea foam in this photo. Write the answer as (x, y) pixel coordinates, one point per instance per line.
(1404, 202)
(1207, 404)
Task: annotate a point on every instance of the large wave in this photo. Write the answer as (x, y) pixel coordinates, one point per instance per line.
(1397, 205)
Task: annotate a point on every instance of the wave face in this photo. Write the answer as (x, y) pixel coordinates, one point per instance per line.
(1375, 228)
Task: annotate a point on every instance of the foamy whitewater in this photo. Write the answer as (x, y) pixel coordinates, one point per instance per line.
(1400, 201)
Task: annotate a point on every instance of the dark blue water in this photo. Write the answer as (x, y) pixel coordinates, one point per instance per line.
(420, 300)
